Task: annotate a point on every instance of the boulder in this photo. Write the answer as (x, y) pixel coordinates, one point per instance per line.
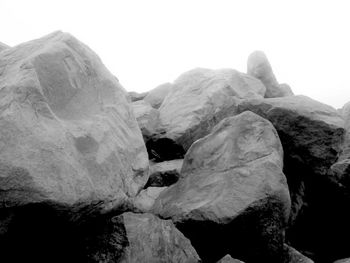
(135, 96)
(3, 46)
(156, 96)
(232, 196)
(259, 67)
(147, 118)
(68, 135)
(295, 256)
(311, 134)
(141, 238)
(144, 201)
(345, 260)
(164, 173)
(200, 98)
(229, 259)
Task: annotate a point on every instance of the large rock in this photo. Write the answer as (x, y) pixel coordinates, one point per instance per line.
(345, 260)
(130, 238)
(200, 98)
(3, 46)
(232, 196)
(156, 96)
(259, 67)
(144, 201)
(147, 118)
(68, 134)
(164, 173)
(135, 96)
(311, 134)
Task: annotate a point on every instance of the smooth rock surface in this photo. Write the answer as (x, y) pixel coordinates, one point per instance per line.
(200, 98)
(232, 193)
(156, 96)
(67, 133)
(259, 67)
(131, 238)
(147, 118)
(295, 256)
(164, 173)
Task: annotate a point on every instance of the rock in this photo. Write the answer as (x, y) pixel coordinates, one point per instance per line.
(259, 67)
(311, 134)
(156, 96)
(164, 173)
(141, 238)
(144, 201)
(200, 98)
(68, 134)
(295, 256)
(346, 260)
(147, 118)
(3, 46)
(134, 96)
(229, 259)
(232, 196)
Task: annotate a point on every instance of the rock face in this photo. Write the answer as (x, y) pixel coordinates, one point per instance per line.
(259, 67)
(232, 195)
(68, 135)
(311, 134)
(134, 96)
(3, 46)
(201, 98)
(156, 96)
(164, 173)
(133, 237)
(147, 118)
(229, 259)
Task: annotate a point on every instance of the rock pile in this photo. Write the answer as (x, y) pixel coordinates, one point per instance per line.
(218, 166)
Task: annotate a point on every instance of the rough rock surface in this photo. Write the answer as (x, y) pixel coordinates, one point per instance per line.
(229, 259)
(147, 118)
(67, 134)
(232, 195)
(3, 46)
(200, 98)
(164, 173)
(135, 96)
(295, 256)
(311, 134)
(259, 67)
(144, 201)
(130, 238)
(156, 96)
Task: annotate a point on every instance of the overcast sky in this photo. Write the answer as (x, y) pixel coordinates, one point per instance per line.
(145, 43)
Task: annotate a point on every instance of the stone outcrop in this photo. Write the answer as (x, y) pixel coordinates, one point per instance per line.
(156, 96)
(232, 195)
(147, 118)
(3, 46)
(135, 96)
(144, 201)
(295, 256)
(229, 259)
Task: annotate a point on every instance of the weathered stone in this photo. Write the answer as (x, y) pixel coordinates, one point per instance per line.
(200, 99)
(135, 96)
(141, 238)
(295, 256)
(311, 134)
(345, 260)
(164, 173)
(67, 134)
(229, 259)
(147, 118)
(259, 67)
(156, 96)
(232, 195)
(144, 201)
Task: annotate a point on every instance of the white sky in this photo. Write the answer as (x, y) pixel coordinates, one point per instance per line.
(145, 43)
